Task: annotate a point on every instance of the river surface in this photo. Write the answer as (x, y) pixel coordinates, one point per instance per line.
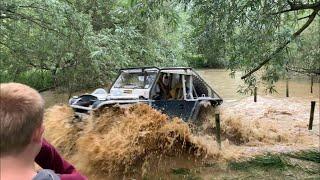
(227, 87)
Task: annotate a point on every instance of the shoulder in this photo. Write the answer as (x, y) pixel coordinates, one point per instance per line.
(46, 174)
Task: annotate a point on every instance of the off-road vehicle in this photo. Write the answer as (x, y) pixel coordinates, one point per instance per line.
(176, 91)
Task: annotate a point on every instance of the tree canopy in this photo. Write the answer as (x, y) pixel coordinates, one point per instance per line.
(80, 43)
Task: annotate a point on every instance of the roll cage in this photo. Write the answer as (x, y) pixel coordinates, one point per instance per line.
(184, 72)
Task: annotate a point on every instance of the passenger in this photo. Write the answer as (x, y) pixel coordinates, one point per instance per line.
(22, 143)
(163, 84)
(177, 92)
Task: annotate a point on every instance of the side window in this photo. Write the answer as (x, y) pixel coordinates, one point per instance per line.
(171, 86)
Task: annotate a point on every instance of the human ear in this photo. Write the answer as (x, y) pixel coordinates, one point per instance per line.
(38, 134)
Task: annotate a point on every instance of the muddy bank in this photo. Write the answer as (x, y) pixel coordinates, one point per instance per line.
(136, 141)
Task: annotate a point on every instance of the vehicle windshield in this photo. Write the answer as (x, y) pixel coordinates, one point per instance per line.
(135, 80)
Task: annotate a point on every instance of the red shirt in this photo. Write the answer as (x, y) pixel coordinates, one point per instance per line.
(49, 158)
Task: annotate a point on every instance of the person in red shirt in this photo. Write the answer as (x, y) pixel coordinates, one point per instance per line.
(49, 158)
(22, 142)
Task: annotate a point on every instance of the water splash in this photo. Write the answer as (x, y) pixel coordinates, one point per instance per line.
(126, 140)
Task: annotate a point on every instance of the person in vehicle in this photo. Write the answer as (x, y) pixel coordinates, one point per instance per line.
(22, 142)
(162, 88)
(176, 92)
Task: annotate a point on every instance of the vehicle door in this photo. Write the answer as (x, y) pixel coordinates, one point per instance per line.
(177, 103)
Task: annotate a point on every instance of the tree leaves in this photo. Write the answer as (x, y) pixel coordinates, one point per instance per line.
(244, 33)
(78, 40)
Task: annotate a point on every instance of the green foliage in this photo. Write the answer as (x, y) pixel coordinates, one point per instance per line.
(38, 79)
(241, 34)
(196, 60)
(81, 43)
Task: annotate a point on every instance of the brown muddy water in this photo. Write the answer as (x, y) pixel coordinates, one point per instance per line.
(299, 86)
(139, 142)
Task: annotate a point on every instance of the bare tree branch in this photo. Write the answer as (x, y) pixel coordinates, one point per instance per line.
(39, 66)
(299, 6)
(304, 17)
(32, 6)
(305, 71)
(280, 48)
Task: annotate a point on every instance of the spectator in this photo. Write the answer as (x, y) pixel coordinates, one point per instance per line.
(21, 133)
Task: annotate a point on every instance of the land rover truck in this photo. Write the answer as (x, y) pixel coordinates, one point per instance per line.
(176, 91)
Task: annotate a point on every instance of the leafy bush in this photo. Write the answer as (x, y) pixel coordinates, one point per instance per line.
(37, 79)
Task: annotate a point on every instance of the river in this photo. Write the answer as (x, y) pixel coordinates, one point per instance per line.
(227, 87)
(220, 80)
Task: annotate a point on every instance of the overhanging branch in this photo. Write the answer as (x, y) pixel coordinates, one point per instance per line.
(305, 71)
(281, 47)
(305, 17)
(299, 6)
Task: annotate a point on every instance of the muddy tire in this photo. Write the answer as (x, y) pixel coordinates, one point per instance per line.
(199, 86)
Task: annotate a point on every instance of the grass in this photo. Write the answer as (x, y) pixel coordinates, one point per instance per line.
(265, 162)
(184, 173)
(294, 165)
(313, 156)
(180, 171)
(303, 164)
